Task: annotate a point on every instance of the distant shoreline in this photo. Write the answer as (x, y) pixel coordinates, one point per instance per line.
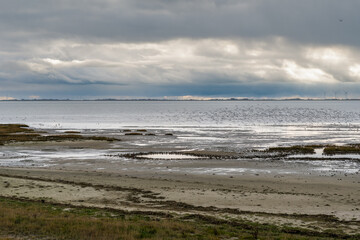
(178, 100)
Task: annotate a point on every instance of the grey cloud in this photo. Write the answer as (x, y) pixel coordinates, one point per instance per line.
(183, 60)
(201, 47)
(315, 22)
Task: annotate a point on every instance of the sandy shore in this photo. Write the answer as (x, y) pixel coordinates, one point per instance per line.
(315, 202)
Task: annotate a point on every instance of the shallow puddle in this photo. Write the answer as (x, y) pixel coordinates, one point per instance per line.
(169, 156)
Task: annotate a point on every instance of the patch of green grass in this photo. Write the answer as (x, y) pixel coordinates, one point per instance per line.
(14, 128)
(147, 231)
(12, 133)
(348, 149)
(36, 220)
(293, 150)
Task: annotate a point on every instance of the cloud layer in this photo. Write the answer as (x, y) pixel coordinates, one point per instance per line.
(154, 48)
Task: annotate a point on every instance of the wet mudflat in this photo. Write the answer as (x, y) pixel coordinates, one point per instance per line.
(253, 185)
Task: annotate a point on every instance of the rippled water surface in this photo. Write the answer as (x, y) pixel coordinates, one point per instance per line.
(113, 114)
(245, 123)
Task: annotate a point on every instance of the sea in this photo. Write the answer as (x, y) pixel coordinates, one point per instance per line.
(195, 125)
(283, 121)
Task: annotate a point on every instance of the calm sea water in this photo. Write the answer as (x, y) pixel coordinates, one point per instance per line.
(112, 114)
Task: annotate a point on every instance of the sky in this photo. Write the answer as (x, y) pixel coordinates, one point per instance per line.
(89, 49)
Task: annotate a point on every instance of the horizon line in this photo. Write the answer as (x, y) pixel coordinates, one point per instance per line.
(189, 99)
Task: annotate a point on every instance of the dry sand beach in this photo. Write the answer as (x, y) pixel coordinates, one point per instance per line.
(315, 201)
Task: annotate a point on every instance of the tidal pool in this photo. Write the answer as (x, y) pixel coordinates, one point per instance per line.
(170, 156)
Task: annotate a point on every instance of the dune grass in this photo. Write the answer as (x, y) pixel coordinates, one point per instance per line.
(37, 220)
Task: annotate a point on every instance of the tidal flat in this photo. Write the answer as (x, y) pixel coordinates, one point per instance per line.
(176, 192)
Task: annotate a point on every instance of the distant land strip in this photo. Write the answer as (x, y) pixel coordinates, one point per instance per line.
(184, 100)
